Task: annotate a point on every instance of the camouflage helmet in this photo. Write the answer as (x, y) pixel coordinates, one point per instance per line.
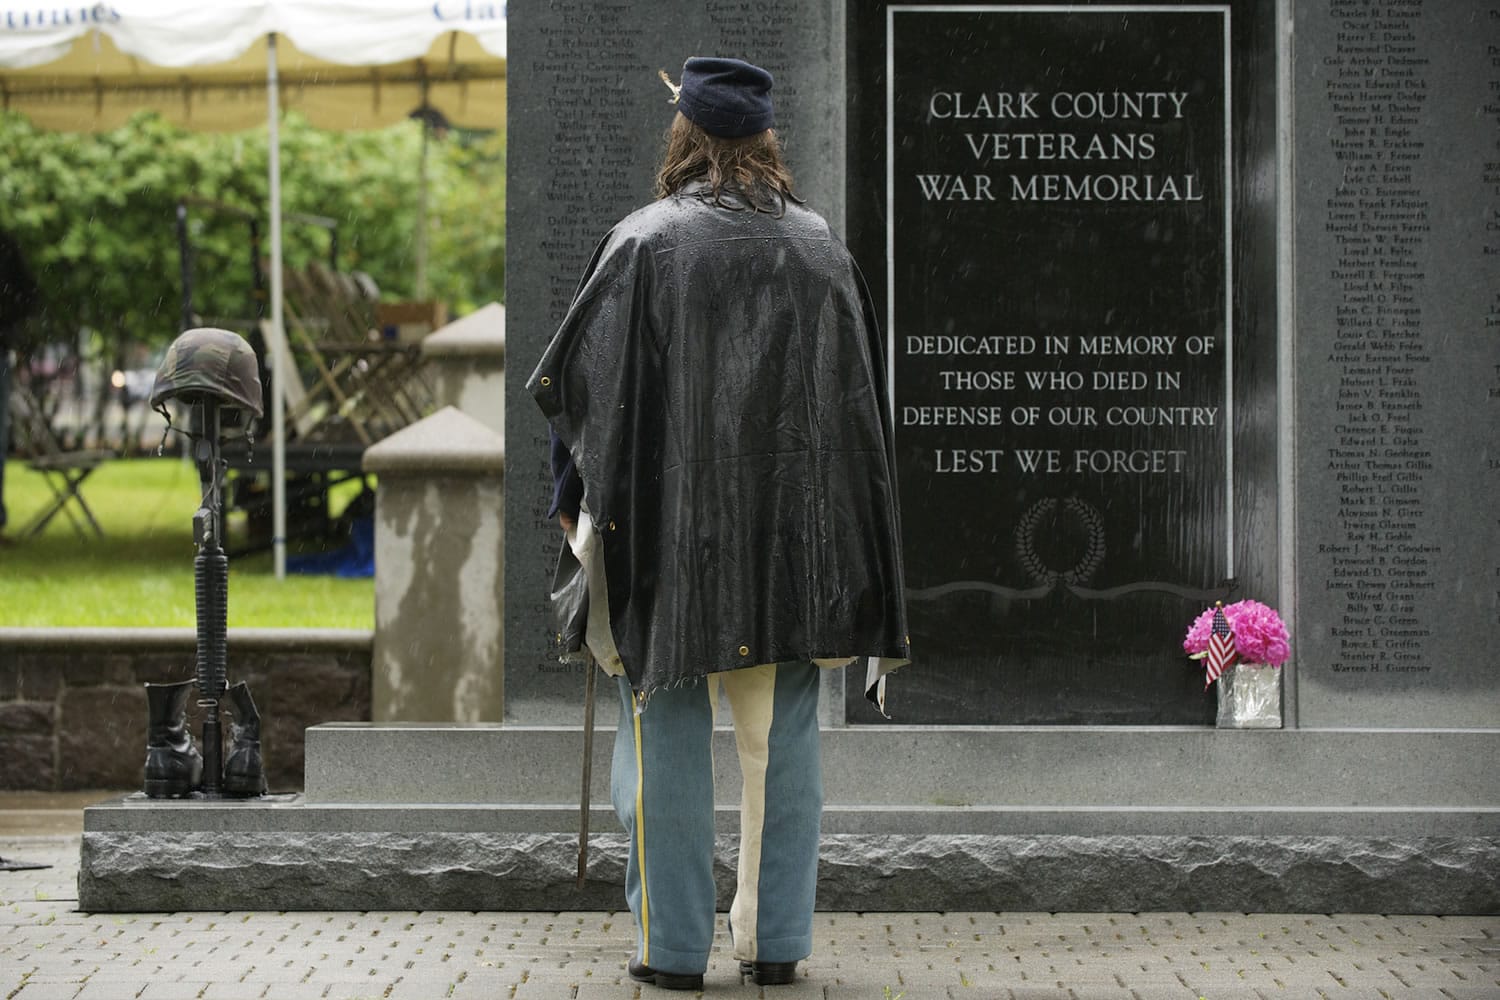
(214, 362)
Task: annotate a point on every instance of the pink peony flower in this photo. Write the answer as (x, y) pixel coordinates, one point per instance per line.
(1260, 635)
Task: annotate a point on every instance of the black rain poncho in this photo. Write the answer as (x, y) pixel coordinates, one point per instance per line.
(719, 381)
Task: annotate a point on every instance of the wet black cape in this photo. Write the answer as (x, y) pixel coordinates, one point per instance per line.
(719, 381)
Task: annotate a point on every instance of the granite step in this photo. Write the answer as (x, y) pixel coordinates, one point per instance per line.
(942, 767)
(407, 816)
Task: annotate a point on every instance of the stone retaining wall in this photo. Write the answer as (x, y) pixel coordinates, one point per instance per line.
(73, 705)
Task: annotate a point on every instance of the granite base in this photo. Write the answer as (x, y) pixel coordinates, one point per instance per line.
(133, 872)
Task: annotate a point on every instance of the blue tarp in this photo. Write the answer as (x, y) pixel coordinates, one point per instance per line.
(356, 559)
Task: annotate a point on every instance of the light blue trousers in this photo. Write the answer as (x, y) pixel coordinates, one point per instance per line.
(662, 787)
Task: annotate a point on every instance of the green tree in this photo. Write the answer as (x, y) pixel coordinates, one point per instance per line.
(96, 215)
(466, 259)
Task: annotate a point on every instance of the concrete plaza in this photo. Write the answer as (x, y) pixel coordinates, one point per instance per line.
(49, 950)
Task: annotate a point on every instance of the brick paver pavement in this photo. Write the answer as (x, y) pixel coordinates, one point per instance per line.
(49, 950)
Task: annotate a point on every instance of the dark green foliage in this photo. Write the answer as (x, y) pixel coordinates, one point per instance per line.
(96, 216)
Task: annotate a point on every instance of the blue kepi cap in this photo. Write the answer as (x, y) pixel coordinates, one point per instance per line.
(728, 98)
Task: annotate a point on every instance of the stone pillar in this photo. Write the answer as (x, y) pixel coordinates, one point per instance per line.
(466, 360)
(439, 644)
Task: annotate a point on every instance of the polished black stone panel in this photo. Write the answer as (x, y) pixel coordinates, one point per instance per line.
(1072, 252)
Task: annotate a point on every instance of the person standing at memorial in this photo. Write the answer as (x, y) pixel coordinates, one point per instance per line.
(724, 472)
(18, 299)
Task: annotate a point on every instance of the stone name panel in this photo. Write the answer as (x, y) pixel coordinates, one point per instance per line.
(1398, 373)
(588, 116)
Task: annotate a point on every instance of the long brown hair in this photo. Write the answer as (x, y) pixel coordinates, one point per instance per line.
(751, 168)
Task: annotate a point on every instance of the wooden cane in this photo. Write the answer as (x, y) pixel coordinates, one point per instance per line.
(588, 766)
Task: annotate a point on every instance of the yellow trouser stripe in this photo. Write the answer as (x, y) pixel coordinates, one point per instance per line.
(640, 830)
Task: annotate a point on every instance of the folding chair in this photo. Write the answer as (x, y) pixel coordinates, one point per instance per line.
(372, 386)
(63, 471)
(299, 401)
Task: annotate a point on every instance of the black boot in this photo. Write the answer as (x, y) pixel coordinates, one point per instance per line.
(173, 765)
(244, 773)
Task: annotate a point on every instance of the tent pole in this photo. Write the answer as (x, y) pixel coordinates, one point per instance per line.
(421, 282)
(278, 389)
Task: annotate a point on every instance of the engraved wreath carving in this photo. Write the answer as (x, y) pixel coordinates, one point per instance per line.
(1092, 555)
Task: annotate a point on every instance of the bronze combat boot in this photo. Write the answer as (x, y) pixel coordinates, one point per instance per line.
(173, 765)
(244, 772)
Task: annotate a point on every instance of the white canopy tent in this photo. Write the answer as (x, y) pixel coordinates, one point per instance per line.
(233, 63)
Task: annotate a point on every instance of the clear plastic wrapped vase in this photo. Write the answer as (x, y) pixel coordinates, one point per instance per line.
(1250, 697)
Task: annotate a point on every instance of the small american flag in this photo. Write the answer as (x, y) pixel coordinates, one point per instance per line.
(1221, 651)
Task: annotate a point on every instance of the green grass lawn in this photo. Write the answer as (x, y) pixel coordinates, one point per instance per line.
(141, 573)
